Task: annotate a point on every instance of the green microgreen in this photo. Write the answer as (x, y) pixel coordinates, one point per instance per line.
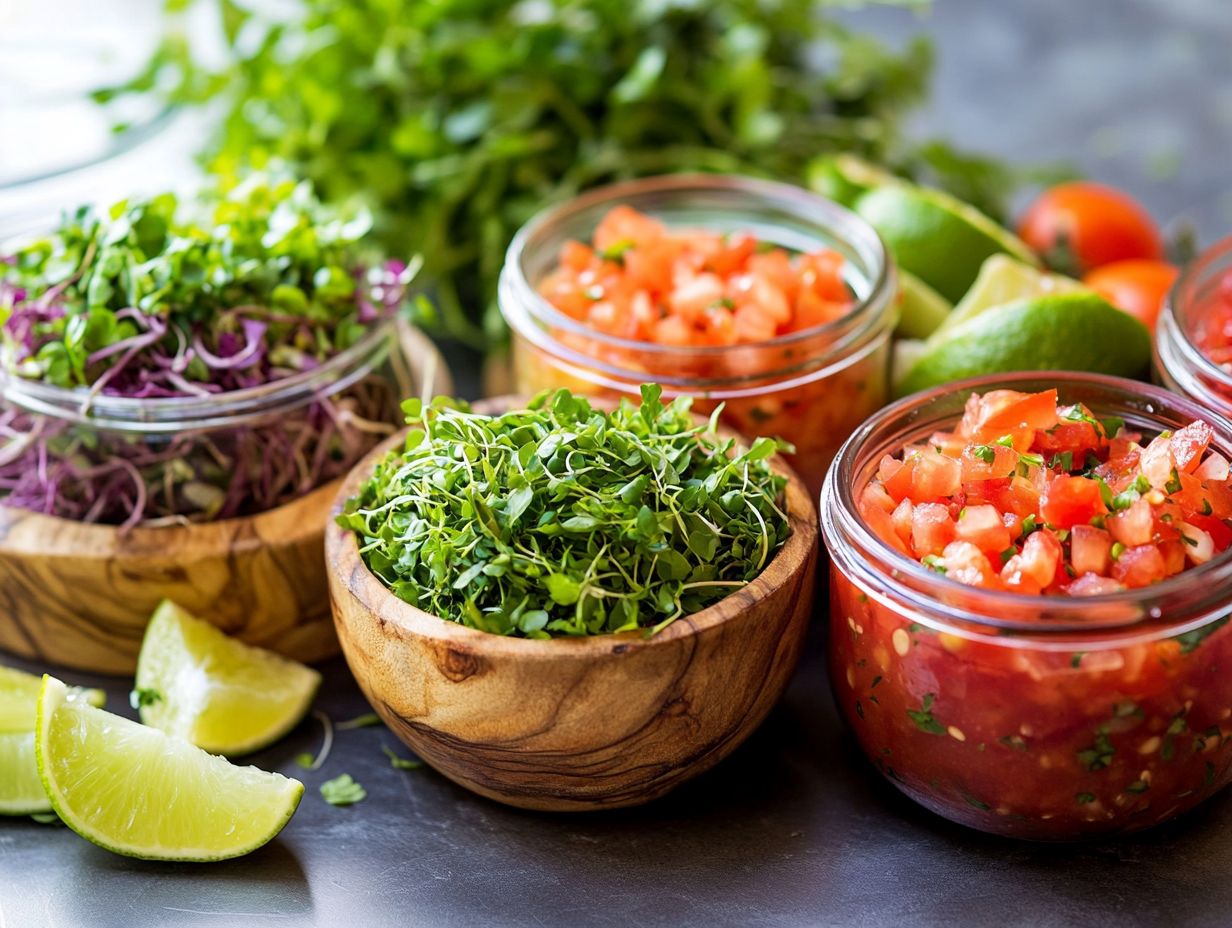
(561, 519)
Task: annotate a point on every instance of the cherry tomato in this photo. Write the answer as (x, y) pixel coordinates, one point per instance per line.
(1138, 287)
(1079, 226)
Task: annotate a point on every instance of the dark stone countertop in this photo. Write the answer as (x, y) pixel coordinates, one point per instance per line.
(795, 829)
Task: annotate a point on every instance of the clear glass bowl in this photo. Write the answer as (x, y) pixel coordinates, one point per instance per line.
(122, 461)
(811, 388)
(1180, 364)
(1046, 718)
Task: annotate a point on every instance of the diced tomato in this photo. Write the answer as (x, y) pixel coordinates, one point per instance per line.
(1092, 585)
(965, 563)
(982, 526)
(1219, 530)
(1140, 566)
(1035, 567)
(901, 519)
(1156, 462)
(932, 528)
(1133, 526)
(935, 476)
(623, 225)
(1071, 501)
(1007, 412)
(1090, 550)
(1189, 444)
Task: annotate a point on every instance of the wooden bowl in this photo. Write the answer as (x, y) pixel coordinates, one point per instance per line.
(575, 723)
(81, 595)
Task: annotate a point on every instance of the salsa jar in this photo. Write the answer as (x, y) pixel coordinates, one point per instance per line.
(1193, 341)
(811, 387)
(1043, 717)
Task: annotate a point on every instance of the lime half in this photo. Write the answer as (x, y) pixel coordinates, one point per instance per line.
(1069, 331)
(844, 178)
(934, 236)
(138, 792)
(218, 693)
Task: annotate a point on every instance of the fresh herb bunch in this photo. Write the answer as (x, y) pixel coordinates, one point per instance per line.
(456, 120)
(156, 299)
(560, 519)
(152, 299)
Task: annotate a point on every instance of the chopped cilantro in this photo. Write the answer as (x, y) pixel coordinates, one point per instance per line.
(1076, 660)
(933, 563)
(1063, 461)
(1008, 553)
(400, 763)
(984, 452)
(1138, 786)
(141, 697)
(342, 790)
(1174, 483)
(923, 717)
(1084, 798)
(1099, 754)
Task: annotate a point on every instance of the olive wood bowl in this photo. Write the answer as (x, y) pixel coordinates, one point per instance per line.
(80, 595)
(575, 723)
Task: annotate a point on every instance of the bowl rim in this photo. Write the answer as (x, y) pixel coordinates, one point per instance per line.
(344, 566)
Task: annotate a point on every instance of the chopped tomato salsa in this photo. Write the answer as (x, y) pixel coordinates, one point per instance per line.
(1063, 733)
(641, 280)
(1032, 496)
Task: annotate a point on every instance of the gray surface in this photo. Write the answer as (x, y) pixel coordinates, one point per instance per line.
(794, 829)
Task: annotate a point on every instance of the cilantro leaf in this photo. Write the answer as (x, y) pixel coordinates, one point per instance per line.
(342, 790)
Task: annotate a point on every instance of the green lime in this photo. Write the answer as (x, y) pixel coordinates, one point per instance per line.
(939, 239)
(218, 693)
(1002, 280)
(844, 178)
(136, 791)
(921, 309)
(21, 791)
(1068, 331)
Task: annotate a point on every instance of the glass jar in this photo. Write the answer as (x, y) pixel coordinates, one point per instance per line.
(124, 461)
(811, 388)
(1048, 718)
(1181, 364)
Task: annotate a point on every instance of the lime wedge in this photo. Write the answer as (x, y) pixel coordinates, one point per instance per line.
(934, 236)
(843, 178)
(21, 790)
(921, 309)
(218, 693)
(1066, 331)
(138, 792)
(1002, 280)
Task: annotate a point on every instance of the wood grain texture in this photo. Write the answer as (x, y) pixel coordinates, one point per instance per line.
(576, 724)
(80, 595)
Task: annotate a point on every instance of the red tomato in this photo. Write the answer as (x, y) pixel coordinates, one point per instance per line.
(1137, 286)
(1188, 445)
(1090, 548)
(932, 528)
(1078, 226)
(1071, 501)
(1140, 566)
(982, 526)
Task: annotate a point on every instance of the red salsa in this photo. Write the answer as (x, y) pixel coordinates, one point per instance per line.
(1213, 332)
(1022, 734)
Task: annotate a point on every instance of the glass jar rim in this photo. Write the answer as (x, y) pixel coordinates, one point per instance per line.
(1175, 316)
(79, 406)
(840, 521)
(863, 317)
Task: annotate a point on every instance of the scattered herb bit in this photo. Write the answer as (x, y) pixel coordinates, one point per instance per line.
(1116, 551)
(1076, 659)
(327, 743)
(1063, 461)
(859, 709)
(306, 761)
(933, 563)
(876, 680)
(1112, 426)
(984, 453)
(1017, 742)
(1029, 525)
(342, 790)
(1127, 709)
(400, 763)
(1084, 799)
(560, 519)
(1098, 755)
(1008, 553)
(1138, 786)
(923, 717)
(976, 803)
(143, 696)
(367, 720)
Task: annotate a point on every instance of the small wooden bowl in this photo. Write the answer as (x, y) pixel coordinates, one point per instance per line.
(81, 595)
(575, 723)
